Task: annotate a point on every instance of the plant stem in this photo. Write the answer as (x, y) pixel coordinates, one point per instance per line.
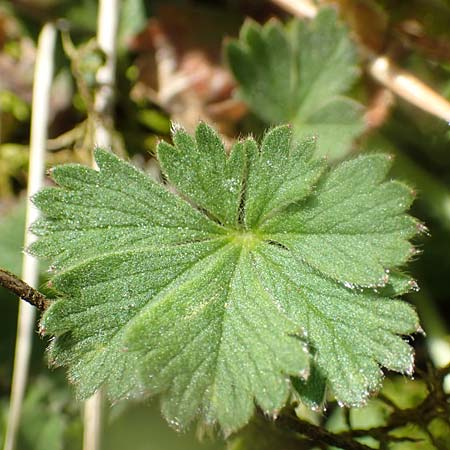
(43, 76)
(23, 290)
(305, 8)
(407, 86)
(107, 26)
(319, 434)
(93, 422)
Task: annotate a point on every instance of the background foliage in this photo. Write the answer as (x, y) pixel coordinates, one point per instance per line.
(414, 34)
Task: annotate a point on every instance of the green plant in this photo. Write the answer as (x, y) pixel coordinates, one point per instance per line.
(298, 73)
(267, 276)
(256, 289)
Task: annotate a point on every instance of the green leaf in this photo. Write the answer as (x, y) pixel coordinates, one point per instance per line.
(351, 332)
(231, 293)
(298, 74)
(312, 391)
(202, 171)
(354, 216)
(279, 175)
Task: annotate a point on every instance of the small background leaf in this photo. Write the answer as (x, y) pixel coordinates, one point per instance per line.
(298, 74)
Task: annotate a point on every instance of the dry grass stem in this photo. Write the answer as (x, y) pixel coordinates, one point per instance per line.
(43, 75)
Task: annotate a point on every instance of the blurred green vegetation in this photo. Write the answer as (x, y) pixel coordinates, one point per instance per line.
(415, 34)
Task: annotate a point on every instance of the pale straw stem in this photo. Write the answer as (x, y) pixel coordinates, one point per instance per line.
(43, 75)
(107, 27)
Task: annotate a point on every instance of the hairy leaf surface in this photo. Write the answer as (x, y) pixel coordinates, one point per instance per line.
(254, 281)
(298, 74)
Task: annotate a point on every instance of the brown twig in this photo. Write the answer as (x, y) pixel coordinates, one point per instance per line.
(18, 287)
(316, 433)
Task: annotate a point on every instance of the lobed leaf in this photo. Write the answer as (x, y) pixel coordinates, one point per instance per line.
(279, 175)
(354, 216)
(298, 74)
(247, 288)
(202, 171)
(352, 333)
